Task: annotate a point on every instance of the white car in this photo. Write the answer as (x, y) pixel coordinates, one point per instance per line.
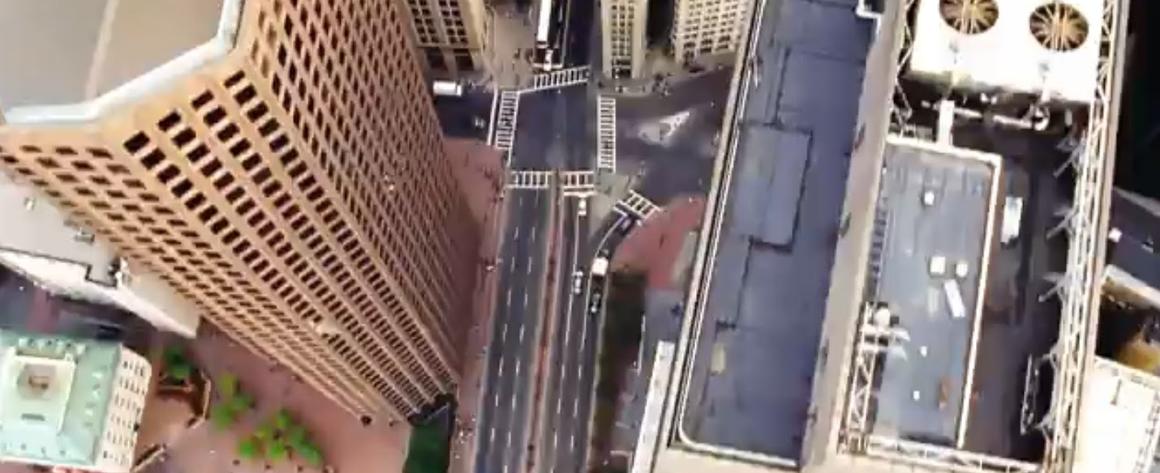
(577, 282)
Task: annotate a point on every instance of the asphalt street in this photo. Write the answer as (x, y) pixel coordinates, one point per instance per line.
(461, 117)
(503, 421)
(667, 142)
(555, 129)
(565, 423)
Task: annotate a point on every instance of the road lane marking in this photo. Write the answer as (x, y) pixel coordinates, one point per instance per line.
(496, 403)
(533, 234)
(529, 266)
(509, 297)
(512, 265)
(491, 436)
(513, 410)
(559, 402)
(501, 367)
(517, 368)
(571, 441)
(522, 333)
(525, 300)
(520, 201)
(509, 439)
(517, 235)
(575, 406)
(577, 371)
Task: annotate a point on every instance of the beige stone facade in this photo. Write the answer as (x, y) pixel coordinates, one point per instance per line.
(451, 34)
(702, 27)
(294, 187)
(623, 35)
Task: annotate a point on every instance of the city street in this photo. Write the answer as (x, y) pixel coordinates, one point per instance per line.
(503, 421)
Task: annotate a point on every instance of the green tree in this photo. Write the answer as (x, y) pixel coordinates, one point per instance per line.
(248, 448)
(240, 403)
(177, 365)
(222, 416)
(227, 385)
(309, 453)
(282, 420)
(265, 433)
(296, 436)
(276, 451)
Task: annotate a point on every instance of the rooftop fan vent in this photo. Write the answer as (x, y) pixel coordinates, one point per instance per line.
(1058, 26)
(969, 17)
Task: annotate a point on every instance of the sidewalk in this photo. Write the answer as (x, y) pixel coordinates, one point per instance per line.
(479, 173)
(510, 35)
(655, 246)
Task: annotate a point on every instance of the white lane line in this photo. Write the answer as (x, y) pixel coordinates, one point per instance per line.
(520, 201)
(571, 441)
(577, 372)
(575, 406)
(491, 435)
(517, 234)
(503, 335)
(525, 300)
(559, 402)
(517, 368)
(496, 405)
(533, 234)
(513, 410)
(512, 265)
(529, 266)
(501, 367)
(522, 333)
(509, 297)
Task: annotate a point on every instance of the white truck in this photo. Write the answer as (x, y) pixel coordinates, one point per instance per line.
(600, 266)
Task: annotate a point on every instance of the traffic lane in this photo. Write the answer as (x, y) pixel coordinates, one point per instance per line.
(520, 245)
(535, 130)
(579, 110)
(493, 416)
(566, 258)
(573, 434)
(520, 338)
(563, 441)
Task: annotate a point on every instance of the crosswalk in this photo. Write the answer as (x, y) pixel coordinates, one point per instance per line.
(505, 126)
(560, 78)
(577, 182)
(535, 180)
(606, 133)
(637, 206)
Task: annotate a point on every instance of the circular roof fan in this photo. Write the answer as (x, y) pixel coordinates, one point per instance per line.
(969, 16)
(1059, 26)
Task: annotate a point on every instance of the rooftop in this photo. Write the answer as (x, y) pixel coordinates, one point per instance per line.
(751, 378)
(54, 54)
(44, 231)
(54, 396)
(1118, 420)
(934, 217)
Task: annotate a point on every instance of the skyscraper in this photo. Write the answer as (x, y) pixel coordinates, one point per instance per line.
(450, 33)
(702, 27)
(622, 27)
(277, 162)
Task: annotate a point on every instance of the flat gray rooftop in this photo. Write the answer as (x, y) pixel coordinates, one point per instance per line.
(751, 380)
(65, 52)
(932, 205)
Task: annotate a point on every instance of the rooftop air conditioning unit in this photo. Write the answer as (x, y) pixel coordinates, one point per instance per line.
(1040, 47)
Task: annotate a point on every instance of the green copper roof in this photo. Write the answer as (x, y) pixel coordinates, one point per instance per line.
(54, 394)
